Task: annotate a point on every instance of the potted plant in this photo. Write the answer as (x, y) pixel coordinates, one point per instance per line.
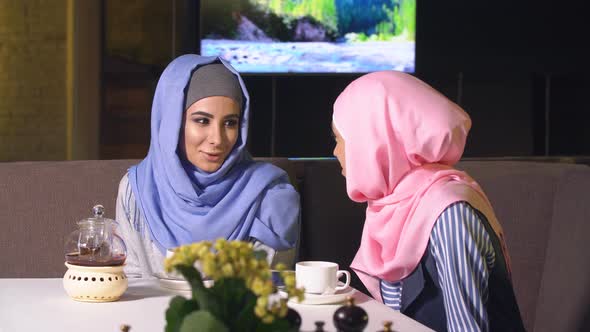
(243, 296)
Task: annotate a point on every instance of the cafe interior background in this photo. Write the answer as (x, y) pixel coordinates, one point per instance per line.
(77, 78)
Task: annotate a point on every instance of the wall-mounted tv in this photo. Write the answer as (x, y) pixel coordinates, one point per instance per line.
(310, 36)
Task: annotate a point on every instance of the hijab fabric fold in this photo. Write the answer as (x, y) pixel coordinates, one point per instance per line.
(182, 204)
(401, 139)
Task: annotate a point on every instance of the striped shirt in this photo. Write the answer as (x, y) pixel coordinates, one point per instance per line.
(464, 256)
(144, 258)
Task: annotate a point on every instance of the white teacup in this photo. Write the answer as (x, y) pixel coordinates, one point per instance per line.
(319, 277)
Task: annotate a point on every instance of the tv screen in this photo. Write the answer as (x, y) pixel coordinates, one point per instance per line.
(310, 36)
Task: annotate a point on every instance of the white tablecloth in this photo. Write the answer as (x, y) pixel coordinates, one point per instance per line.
(43, 305)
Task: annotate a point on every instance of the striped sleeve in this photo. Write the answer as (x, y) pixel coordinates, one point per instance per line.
(391, 294)
(464, 256)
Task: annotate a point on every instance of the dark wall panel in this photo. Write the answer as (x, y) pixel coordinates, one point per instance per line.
(304, 114)
(501, 112)
(569, 115)
(520, 69)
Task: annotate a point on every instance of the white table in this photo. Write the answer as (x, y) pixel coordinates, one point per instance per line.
(43, 305)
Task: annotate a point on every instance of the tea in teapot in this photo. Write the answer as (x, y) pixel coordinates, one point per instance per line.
(95, 257)
(95, 242)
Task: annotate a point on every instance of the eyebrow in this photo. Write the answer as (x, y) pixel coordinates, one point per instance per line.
(209, 115)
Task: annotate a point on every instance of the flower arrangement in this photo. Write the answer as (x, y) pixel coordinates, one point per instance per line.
(243, 296)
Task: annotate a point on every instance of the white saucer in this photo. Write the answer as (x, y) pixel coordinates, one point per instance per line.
(177, 284)
(338, 297)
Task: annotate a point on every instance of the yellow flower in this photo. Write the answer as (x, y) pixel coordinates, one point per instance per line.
(262, 301)
(209, 267)
(288, 279)
(268, 287)
(284, 308)
(253, 264)
(227, 269)
(257, 286)
(223, 259)
(267, 319)
(246, 251)
(220, 244)
(202, 250)
(260, 311)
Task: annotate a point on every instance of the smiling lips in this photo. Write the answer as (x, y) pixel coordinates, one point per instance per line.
(212, 157)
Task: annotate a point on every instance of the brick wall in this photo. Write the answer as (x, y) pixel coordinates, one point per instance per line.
(33, 45)
(139, 30)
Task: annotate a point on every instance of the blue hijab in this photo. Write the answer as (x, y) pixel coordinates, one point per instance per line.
(181, 204)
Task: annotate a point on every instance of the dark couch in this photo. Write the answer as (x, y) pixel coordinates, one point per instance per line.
(542, 206)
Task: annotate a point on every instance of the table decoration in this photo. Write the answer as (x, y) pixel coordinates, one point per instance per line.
(350, 318)
(95, 256)
(243, 296)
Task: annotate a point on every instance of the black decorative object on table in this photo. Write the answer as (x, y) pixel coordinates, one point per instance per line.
(319, 326)
(350, 318)
(387, 326)
(294, 319)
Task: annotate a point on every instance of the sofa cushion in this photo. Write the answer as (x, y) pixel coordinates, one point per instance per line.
(542, 206)
(332, 223)
(564, 294)
(523, 195)
(527, 197)
(40, 205)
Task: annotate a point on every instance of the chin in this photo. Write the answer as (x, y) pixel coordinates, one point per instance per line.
(208, 167)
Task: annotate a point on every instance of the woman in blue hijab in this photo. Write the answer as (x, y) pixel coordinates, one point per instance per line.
(197, 181)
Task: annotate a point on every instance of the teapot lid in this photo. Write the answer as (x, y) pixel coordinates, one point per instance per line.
(98, 218)
(98, 211)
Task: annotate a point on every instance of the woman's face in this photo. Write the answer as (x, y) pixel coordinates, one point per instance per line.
(339, 149)
(211, 129)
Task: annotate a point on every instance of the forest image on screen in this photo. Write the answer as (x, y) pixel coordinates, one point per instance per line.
(310, 36)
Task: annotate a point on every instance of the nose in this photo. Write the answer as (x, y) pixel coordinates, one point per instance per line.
(216, 135)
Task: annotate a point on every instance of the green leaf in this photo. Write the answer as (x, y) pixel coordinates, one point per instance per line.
(179, 307)
(207, 301)
(246, 317)
(202, 321)
(239, 303)
(233, 295)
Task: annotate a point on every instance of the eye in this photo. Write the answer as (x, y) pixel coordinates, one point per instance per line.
(202, 121)
(231, 123)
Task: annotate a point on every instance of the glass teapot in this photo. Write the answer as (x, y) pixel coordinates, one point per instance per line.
(95, 242)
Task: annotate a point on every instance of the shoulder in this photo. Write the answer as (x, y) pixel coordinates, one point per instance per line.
(124, 182)
(461, 214)
(460, 225)
(279, 177)
(124, 193)
(124, 186)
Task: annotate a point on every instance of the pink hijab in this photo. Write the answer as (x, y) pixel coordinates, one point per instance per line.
(402, 138)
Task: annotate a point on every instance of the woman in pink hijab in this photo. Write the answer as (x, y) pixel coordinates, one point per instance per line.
(431, 245)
